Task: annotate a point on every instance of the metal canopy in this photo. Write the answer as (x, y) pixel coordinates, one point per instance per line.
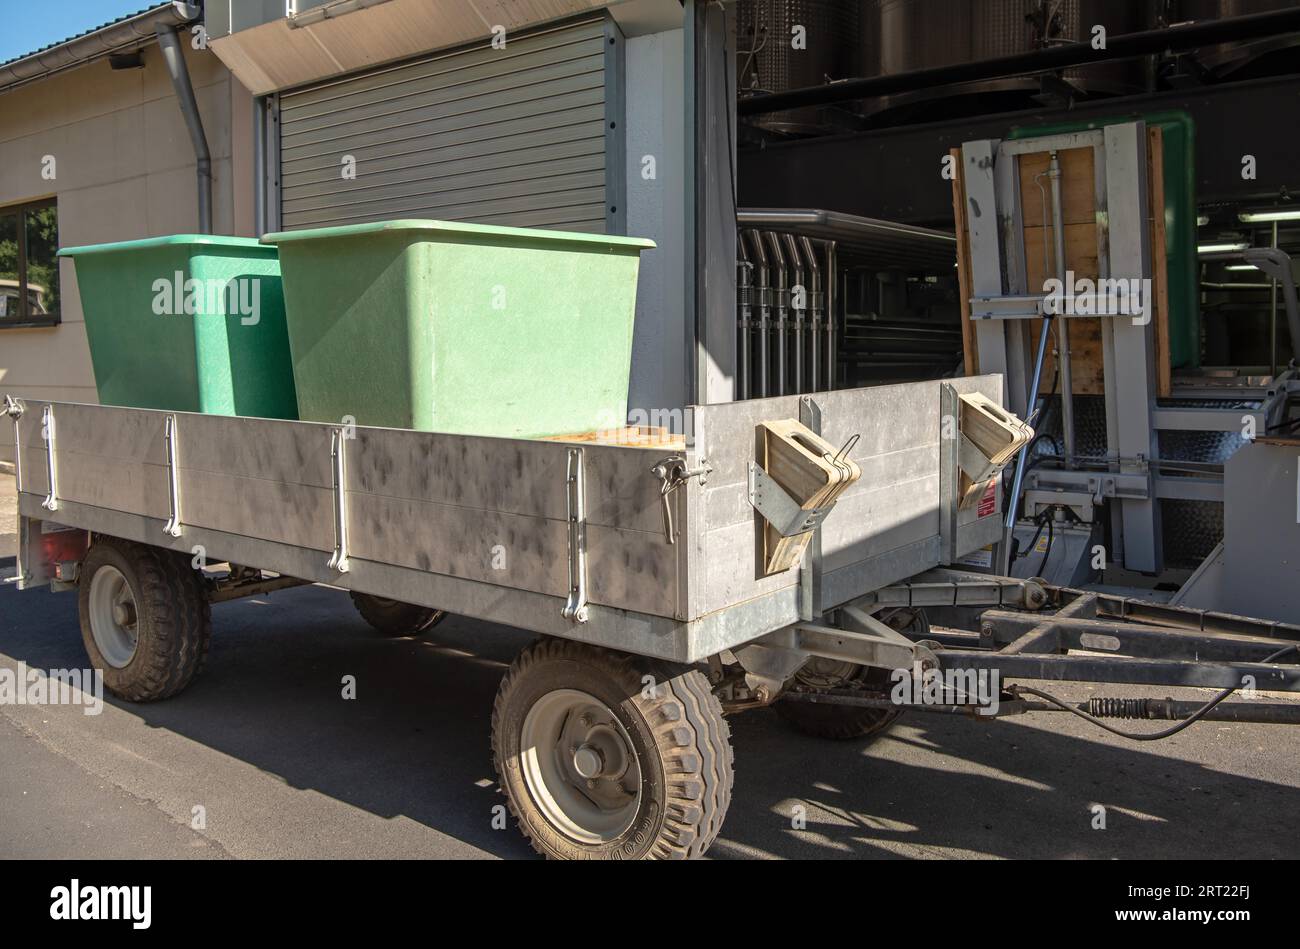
(884, 242)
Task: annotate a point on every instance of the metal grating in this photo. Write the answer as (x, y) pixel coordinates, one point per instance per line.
(493, 136)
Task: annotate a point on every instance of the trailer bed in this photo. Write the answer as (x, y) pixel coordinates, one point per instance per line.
(481, 526)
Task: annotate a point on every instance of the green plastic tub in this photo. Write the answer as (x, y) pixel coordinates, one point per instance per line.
(190, 322)
(464, 328)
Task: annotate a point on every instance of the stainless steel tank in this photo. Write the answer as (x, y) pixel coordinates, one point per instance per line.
(901, 36)
(1225, 58)
(766, 60)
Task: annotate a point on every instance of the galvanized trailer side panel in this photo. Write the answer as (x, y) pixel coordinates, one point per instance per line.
(486, 509)
(479, 526)
(883, 529)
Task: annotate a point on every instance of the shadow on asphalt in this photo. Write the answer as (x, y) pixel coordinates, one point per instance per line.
(415, 742)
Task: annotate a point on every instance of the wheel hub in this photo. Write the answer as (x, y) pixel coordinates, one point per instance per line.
(124, 613)
(579, 766)
(114, 619)
(588, 762)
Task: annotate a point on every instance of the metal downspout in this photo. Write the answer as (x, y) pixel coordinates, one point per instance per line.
(170, 45)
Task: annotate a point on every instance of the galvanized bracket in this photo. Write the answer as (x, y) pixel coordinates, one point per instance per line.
(173, 526)
(51, 502)
(778, 508)
(575, 607)
(339, 560)
(973, 462)
(1120, 300)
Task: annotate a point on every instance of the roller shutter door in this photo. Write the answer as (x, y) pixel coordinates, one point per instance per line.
(511, 136)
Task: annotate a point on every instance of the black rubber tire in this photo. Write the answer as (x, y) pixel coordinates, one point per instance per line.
(840, 722)
(174, 619)
(396, 619)
(681, 740)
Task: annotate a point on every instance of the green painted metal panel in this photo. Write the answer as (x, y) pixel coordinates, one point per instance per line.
(188, 322)
(465, 328)
(1178, 132)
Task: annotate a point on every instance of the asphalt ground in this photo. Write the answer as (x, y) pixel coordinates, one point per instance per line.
(276, 763)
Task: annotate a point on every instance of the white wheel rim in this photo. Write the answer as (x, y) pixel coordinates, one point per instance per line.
(580, 767)
(114, 621)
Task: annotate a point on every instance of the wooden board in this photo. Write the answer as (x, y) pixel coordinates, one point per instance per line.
(1079, 213)
(636, 436)
(970, 352)
(806, 466)
(994, 431)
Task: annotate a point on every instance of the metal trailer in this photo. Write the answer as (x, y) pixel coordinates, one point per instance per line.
(640, 567)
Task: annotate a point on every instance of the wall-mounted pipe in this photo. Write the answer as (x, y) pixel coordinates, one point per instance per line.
(762, 293)
(798, 306)
(174, 58)
(1064, 364)
(816, 307)
(745, 323)
(780, 306)
(832, 301)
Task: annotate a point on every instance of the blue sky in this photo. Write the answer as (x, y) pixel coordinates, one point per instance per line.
(26, 25)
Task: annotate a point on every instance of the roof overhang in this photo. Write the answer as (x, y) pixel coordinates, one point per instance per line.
(343, 36)
(121, 36)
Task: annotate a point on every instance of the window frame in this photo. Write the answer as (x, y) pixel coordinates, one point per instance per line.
(24, 320)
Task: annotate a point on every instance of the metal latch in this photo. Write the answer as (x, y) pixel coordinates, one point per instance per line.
(338, 471)
(173, 526)
(672, 474)
(575, 493)
(51, 502)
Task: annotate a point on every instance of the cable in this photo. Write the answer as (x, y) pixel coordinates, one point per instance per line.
(1033, 540)
(1050, 538)
(1152, 736)
(729, 100)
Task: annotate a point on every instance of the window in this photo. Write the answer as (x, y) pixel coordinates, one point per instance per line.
(29, 267)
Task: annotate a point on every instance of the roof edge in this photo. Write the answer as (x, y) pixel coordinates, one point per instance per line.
(130, 32)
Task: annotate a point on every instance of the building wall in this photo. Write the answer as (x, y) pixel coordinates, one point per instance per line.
(124, 169)
(656, 124)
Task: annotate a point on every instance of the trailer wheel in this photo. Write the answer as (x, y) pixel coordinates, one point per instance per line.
(394, 618)
(840, 722)
(846, 722)
(145, 619)
(607, 756)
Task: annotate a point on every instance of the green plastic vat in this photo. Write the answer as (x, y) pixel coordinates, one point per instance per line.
(465, 328)
(190, 322)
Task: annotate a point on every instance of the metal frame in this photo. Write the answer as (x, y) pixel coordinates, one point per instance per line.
(1002, 302)
(1036, 631)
